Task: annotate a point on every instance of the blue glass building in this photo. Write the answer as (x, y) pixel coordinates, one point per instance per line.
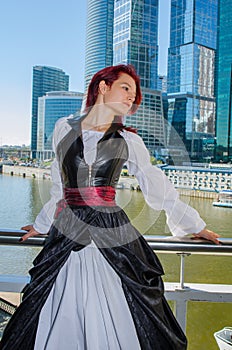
(51, 107)
(135, 41)
(136, 38)
(191, 65)
(224, 83)
(99, 37)
(45, 79)
(126, 31)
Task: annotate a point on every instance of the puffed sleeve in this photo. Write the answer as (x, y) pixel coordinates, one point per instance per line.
(158, 191)
(45, 218)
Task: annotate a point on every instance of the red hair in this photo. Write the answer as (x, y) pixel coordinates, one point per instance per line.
(109, 75)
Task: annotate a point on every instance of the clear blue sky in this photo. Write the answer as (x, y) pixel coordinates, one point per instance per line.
(50, 33)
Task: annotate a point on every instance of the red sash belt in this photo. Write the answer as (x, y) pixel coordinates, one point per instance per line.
(90, 196)
(87, 196)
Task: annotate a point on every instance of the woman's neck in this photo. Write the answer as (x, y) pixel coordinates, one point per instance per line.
(97, 119)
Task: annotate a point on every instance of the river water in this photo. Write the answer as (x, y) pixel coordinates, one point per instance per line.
(22, 198)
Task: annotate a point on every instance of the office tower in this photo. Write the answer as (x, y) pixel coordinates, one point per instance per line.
(99, 37)
(136, 38)
(191, 64)
(51, 107)
(126, 31)
(45, 79)
(135, 41)
(224, 83)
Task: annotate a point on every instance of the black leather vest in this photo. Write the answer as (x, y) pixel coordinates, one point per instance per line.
(111, 155)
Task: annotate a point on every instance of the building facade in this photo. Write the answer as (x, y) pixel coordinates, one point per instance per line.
(224, 83)
(191, 65)
(45, 79)
(99, 37)
(149, 121)
(51, 107)
(126, 31)
(135, 38)
(135, 41)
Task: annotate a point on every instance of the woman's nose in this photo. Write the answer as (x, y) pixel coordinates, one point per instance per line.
(130, 97)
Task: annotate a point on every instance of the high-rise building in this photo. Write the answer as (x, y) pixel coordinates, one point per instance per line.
(45, 79)
(126, 31)
(135, 41)
(136, 38)
(191, 64)
(99, 37)
(51, 107)
(224, 83)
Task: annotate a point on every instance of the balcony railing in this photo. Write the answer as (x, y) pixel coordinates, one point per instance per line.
(180, 292)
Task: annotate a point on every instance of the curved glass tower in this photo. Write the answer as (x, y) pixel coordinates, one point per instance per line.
(99, 37)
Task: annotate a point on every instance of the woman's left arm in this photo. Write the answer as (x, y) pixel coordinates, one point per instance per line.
(160, 194)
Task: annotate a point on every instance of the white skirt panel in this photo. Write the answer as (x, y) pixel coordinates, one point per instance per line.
(86, 308)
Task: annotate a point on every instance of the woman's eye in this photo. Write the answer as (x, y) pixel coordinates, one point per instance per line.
(125, 88)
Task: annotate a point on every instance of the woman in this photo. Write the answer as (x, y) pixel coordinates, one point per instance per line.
(96, 284)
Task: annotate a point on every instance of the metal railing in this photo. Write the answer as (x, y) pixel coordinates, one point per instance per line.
(180, 292)
(161, 243)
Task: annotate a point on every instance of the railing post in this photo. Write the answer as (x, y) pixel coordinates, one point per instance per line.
(182, 266)
(181, 313)
(181, 304)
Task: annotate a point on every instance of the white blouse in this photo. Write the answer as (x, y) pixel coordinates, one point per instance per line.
(158, 191)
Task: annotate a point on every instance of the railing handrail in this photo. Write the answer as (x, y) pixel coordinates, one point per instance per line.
(161, 243)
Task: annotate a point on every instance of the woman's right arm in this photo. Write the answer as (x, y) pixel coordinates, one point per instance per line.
(45, 218)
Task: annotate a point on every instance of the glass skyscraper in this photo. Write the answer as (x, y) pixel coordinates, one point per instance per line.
(51, 107)
(135, 41)
(99, 37)
(45, 79)
(136, 38)
(126, 31)
(224, 83)
(191, 64)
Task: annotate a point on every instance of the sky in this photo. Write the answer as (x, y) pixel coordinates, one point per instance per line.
(49, 33)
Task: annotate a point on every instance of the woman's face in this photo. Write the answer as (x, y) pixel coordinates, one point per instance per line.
(121, 95)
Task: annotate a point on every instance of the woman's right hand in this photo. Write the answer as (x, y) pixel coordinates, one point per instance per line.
(31, 232)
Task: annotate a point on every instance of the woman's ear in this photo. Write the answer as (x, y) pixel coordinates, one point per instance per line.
(102, 87)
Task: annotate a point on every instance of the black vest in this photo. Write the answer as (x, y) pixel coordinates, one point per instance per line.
(111, 155)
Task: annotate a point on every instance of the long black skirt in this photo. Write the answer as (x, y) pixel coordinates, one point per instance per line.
(127, 253)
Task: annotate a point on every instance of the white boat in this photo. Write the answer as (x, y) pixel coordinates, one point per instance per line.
(224, 338)
(224, 199)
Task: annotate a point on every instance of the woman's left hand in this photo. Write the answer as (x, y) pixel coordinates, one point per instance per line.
(209, 235)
